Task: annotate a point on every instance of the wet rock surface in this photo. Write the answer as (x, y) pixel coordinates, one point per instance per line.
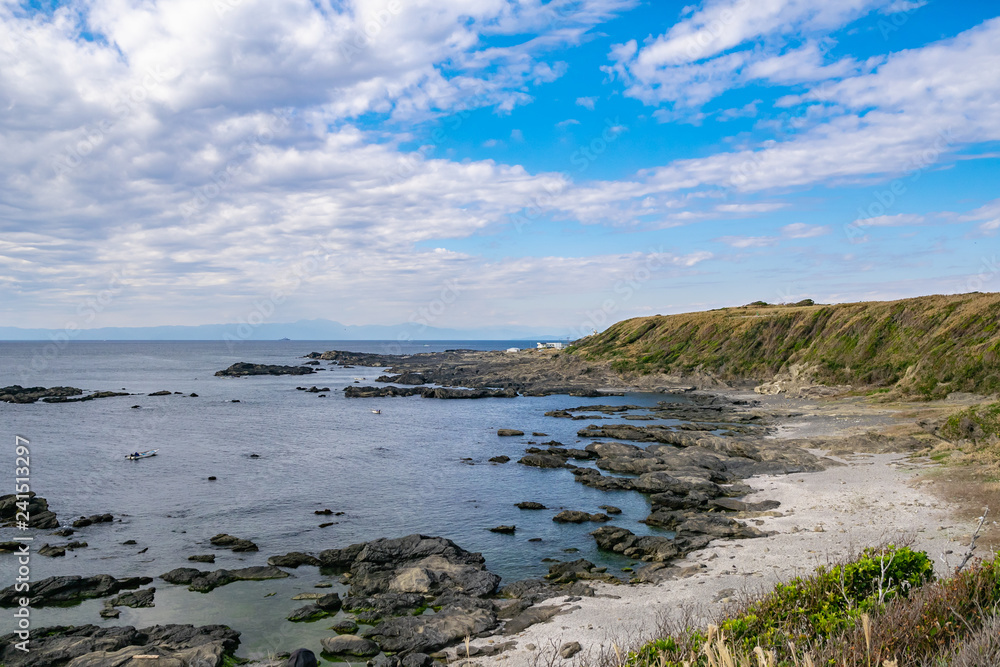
(39, 514)
(352, 391)
(93, 646)
(243, 369)
(71, 588)
(204, 581)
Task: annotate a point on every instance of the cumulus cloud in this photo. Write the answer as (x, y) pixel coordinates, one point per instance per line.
(729, 43)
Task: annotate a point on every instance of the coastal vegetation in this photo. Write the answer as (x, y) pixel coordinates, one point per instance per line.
(883, 607)
(925, 347)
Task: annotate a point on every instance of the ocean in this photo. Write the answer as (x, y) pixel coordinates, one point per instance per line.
(421, 466)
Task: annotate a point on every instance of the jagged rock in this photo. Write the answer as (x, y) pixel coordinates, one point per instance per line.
(93, 646)
(499, 459)
(39, 515)
(293, 560)
(234, 543)
(345, 627)
(203, 558)
(136, 599)
(544, 461)
(51, 551)
(574, 516)
(203, 582)
(528, 505)
(308, 613)
(565, 573)
(243, 369)
(569, 649)
(428, 633)
(611, 509)
(382, 605)
(74, 588)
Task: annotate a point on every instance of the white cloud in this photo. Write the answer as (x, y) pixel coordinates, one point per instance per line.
(729, 43)
(567, 122)
(748, 241)
(897, 220)
(801, 230)
(586, 102)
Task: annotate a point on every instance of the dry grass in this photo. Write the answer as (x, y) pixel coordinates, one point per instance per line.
(925, 347)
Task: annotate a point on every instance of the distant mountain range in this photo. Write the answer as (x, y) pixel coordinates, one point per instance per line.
(302, 330)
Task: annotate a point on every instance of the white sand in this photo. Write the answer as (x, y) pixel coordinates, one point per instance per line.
(827, 516)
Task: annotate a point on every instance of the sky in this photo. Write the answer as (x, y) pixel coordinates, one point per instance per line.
(467, 163)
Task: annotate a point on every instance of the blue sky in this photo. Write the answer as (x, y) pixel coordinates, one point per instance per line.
(560, 165)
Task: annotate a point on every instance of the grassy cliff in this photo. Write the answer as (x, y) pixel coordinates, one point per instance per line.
(927, 346)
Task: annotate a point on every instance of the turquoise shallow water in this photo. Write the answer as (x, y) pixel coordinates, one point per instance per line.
(391, 474)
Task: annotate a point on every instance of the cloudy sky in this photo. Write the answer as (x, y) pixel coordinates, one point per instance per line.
(564, 163)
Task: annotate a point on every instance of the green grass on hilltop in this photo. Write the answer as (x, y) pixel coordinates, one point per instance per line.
(927, 346)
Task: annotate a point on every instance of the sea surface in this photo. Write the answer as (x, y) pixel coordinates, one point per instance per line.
(421, 466)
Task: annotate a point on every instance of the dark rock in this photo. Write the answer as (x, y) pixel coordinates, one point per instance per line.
(506, 530)
(428, 633)
(56, 590)
(350, 645)
(18, 394)
(136, 599)
(499, 459)
(293, 560)
(611, 509)
(203, 558)
(507, 432)
(234, 543)
(203, 582)
(39, 515)
(301, 657)
(51, 551)
(544, 461)
(569, 649)
(345, 627)
(308, 614)
(528, 505)
(160, 393)
(574, 516)
(243, 369)
(330, 602)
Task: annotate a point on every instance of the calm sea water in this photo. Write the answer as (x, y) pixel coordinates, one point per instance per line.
(392, 474)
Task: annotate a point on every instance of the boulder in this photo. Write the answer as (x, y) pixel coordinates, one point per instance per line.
(293, 560)
(235, 543)
(431, 632)
(528, 505)
(508, 432)
(350, 645)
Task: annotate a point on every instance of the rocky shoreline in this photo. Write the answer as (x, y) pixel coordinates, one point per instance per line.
(412, 600)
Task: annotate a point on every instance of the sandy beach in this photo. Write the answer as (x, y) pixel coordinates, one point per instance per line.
(868, 500)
